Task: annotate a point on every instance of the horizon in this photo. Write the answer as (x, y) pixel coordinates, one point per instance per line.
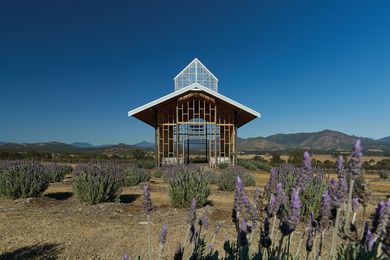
(152, 142)
(72, 71)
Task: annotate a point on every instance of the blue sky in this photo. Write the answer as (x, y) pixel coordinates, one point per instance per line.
(70, 70)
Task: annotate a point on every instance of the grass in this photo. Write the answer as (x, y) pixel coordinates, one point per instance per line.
(108, 230)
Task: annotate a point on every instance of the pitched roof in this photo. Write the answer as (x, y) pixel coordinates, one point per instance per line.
(145, 113)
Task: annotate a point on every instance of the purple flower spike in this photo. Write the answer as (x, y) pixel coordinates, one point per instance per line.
(355, 162)
(376, 218)
(280, 195)
(243, 232)
(272, 208)
(325, 211)
(210, 247)
(192, 213)
(291, 219)
(146, 201)
(370, 240)
(340, 163)
(338, 191)
(163, 235)
(125, 257)
(355, 204)
(244, 225)
(306, 161)
(265, 240)
(239, 186)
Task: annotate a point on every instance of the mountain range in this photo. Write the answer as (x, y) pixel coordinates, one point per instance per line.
(385, 139)
(326, 140)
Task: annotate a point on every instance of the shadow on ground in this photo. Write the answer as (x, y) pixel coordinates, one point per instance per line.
(59, 195)
(38, 251)
(128, 198)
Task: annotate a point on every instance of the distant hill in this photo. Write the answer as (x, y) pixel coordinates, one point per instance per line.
(57, 147)
(385, 139)
(54, 147)
(82, 145)
(326, 140)
(144, 144)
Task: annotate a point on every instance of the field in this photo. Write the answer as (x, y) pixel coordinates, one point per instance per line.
(58, 225)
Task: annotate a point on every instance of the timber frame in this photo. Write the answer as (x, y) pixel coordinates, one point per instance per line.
(194, 113)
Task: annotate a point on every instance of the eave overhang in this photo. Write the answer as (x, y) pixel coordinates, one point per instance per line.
(146, 113)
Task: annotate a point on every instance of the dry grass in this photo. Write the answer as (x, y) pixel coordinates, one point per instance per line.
(58, 225)
(319, 157)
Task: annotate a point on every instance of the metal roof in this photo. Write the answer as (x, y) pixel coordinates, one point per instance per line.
(145, 112)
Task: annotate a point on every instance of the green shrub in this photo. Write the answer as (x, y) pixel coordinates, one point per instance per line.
(135, 175)
(227, 179)
(186, 183)
(98, 182)
(57, 172)
(145, 164)
(223, 166)
(22, 179)
(311, 183)
(255, 165)
(158, 173)
(384, 175)
(212, 177)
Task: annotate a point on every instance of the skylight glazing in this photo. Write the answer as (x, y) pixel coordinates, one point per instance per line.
(196, 72)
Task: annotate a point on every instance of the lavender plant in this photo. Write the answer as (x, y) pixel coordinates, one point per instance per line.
(186, 183)
(135, 175)
(147, 208)
(22, 179)
(310, 180)
(97, 182)
(226, 180)
(57, 172)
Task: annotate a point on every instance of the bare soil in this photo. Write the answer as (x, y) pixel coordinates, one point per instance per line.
(57, 225)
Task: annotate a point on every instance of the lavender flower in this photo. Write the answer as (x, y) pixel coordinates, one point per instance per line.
(325, 211)
(311, 231)
(272, 181)
(210, 247)
(291, 219)
(146, 201)
(340, 166)
(265, 239)
(192, 213)
(272, 208)
(355, 204)
(238, 195)
(377, 215)
(306, 161)
(338, 191)
(355, 162)
(280, 195)
(126, 257)
(163, 235)
(370, 240)
(243, 233)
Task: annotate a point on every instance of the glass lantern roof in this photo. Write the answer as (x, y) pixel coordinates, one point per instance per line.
(196, 72)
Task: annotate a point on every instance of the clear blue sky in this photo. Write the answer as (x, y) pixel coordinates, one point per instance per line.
(70, 70)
